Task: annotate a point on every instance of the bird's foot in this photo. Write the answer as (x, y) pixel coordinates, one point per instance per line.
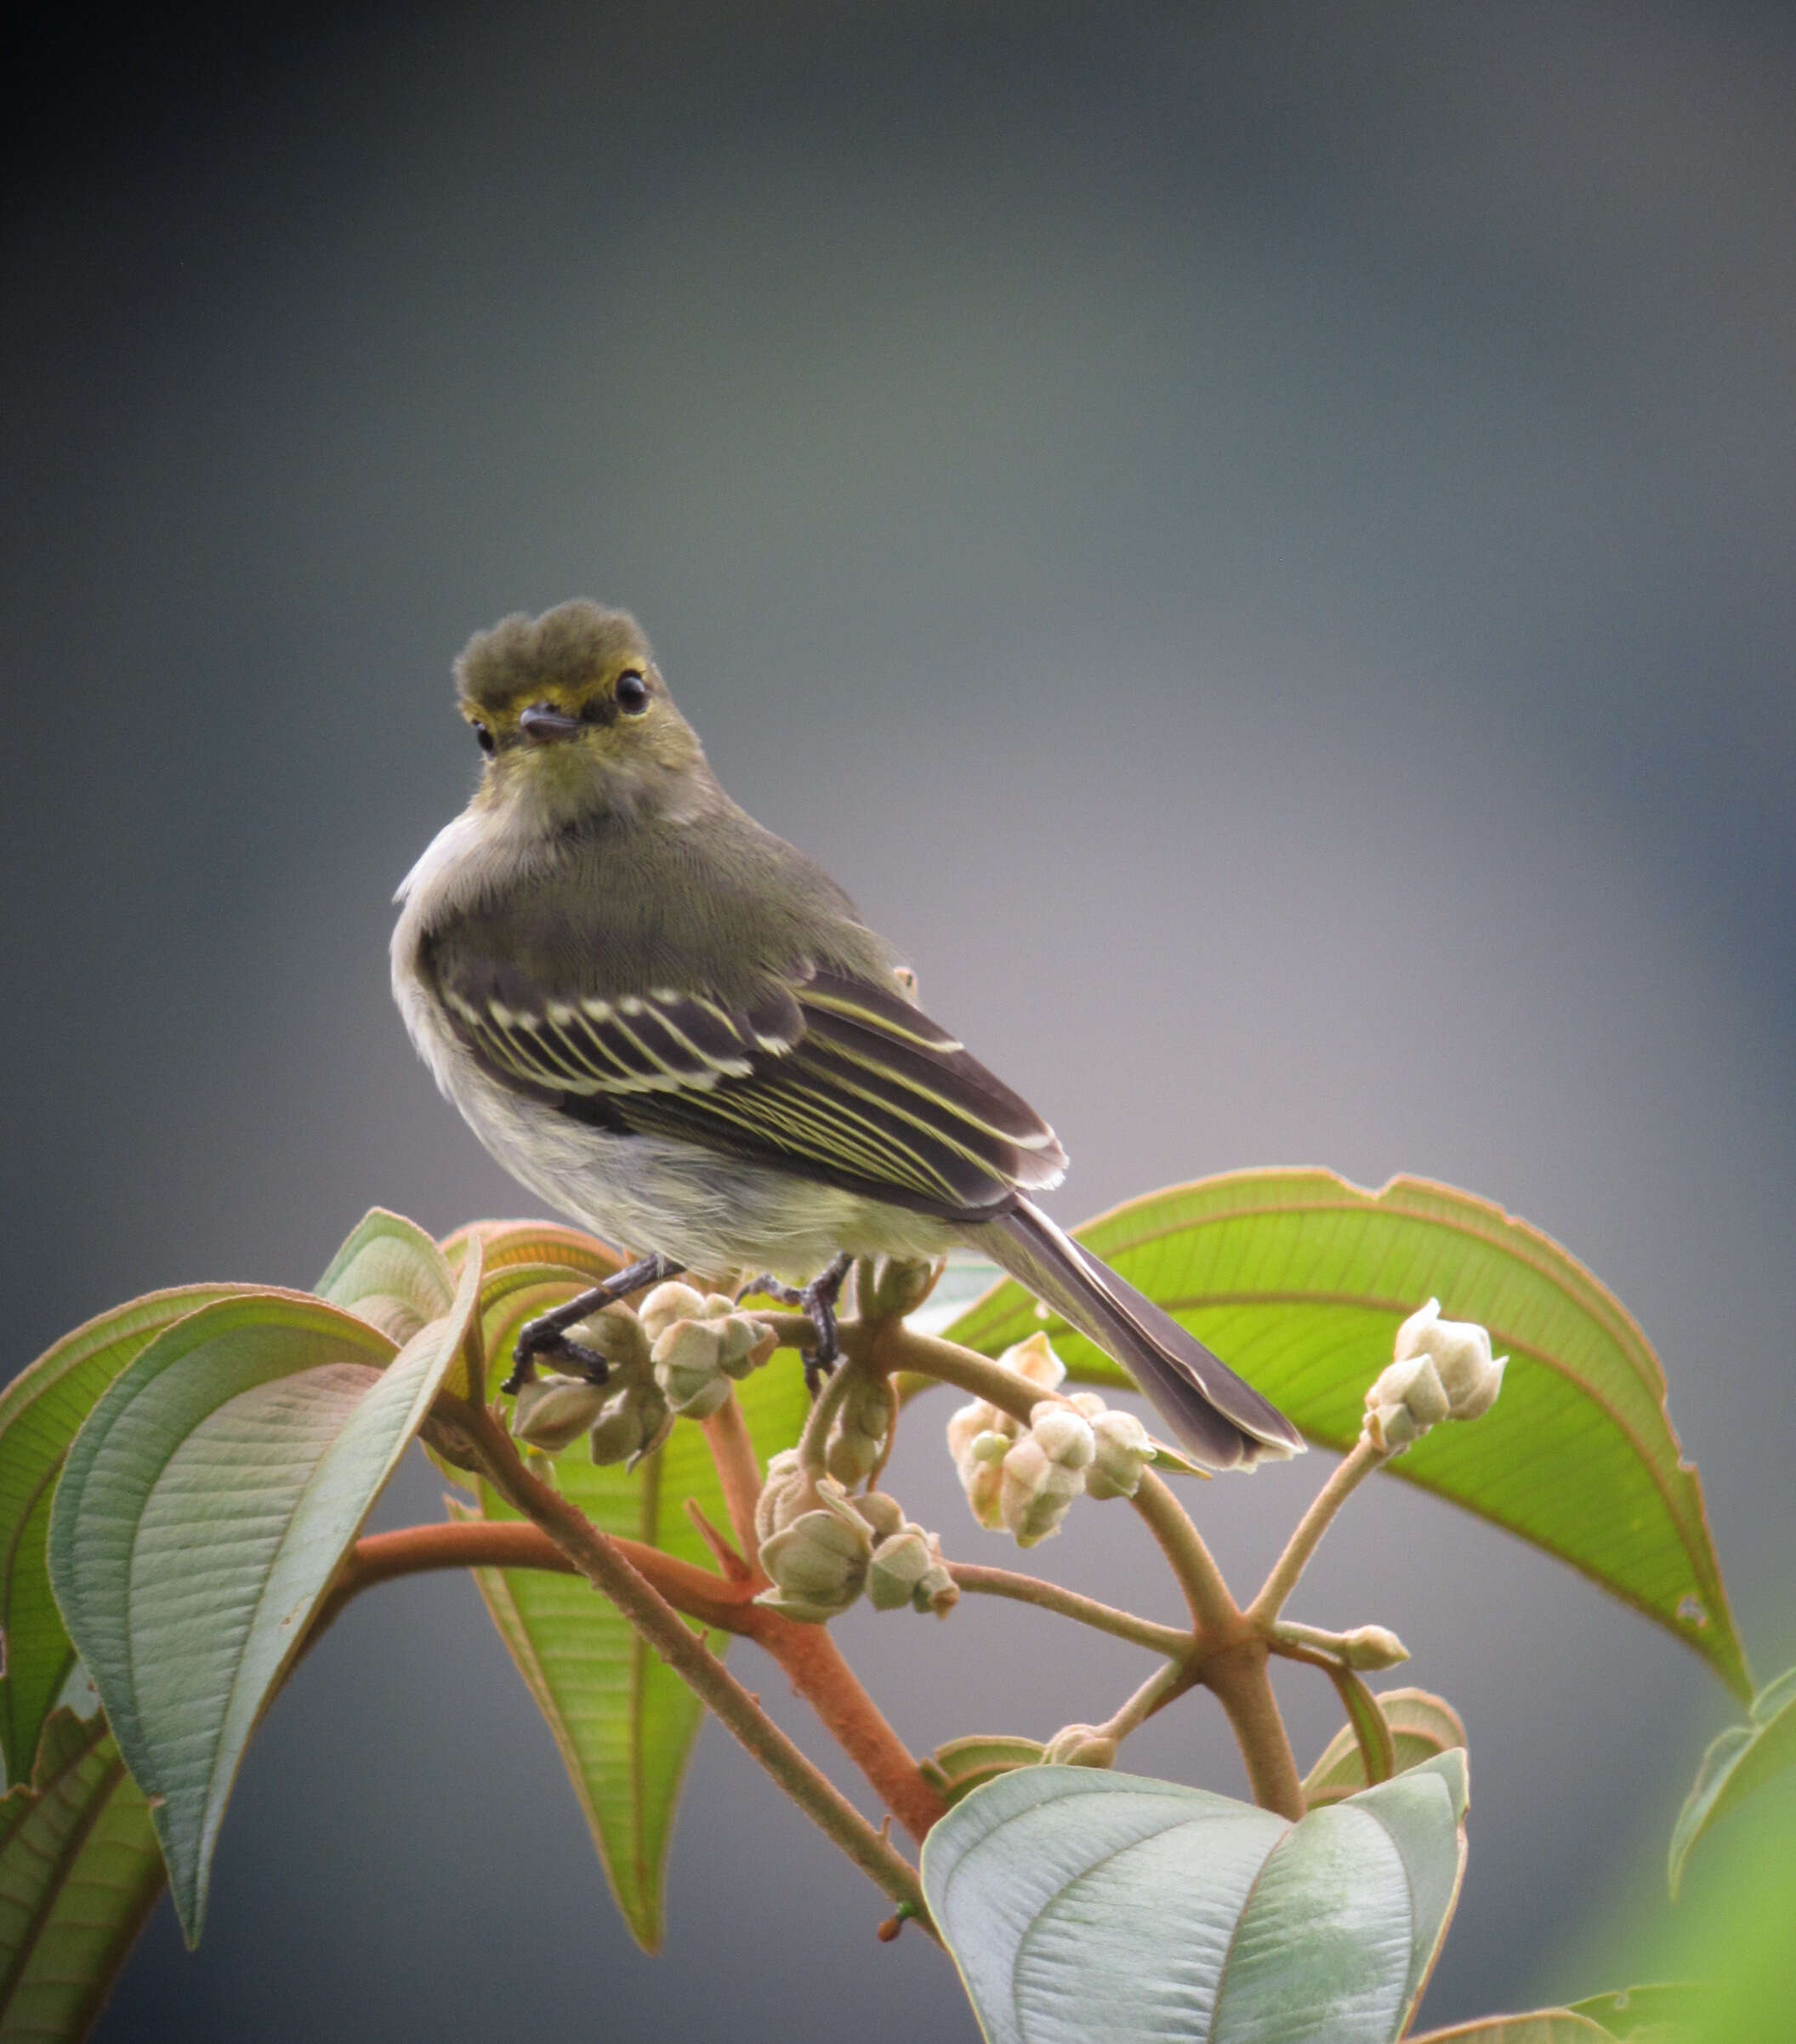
(544, 1340)
(819, 1299)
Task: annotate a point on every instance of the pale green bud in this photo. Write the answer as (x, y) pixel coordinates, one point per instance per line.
(860, 1430)
(979, 1435)
(1080, 1746)
(1123, 1451)
(668, 1303)
(784, 1493)
(1064, 1435)
(1405, 1402)
(1370, 1647)
(553, 1411)
(894, 1286)
(819, 1561)
(882, 1511)
(1035, 1492)
(615, 1333)
(907, 1568)
(688, 1367)
(634, 1423)
(745, 1345)
(1460, 1351)
(899, 1564)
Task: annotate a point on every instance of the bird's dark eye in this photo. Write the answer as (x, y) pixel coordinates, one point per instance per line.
(488, 743)
(633, 693)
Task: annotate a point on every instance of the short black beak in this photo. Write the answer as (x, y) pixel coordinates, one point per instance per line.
(542, 725)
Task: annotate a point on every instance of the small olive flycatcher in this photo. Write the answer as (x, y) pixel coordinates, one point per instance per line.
(675, 1027)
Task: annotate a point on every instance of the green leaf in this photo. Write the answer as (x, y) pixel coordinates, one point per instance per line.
(1742, 1759)
(203, 1511)
(1079, 1903)
(1651, 2015)
(1299, 1280)
(1421, 1727)
(622, 1720)
(390, 1272)
(961, 1766)
(1544, 2026)
(41, 1412)
(79, 1874)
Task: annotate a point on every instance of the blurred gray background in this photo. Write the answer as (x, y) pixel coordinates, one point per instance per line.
(1255, 540)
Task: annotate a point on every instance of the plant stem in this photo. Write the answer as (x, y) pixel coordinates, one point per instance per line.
(1050, 1596)
(604, 1562)
(811, 1656)
(807, 1652)
(1239, 1680)
(738, 1472)
(816, 1435)
(1205, 1594)
(1155, 1694)
(1349, 1473)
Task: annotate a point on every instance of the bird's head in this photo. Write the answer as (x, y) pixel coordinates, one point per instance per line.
(572, 715)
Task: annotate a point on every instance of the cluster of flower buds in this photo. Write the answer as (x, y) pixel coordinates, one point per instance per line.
(824, 1549)
(698, 1342)
(861, 1430)
(1441, 1370)
(1024, 1479)
(625, 1418)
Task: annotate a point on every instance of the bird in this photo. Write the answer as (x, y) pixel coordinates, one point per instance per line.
(676, 1028)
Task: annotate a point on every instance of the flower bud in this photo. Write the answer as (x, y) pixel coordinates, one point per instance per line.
(979, 1435)
(894, 1286)
(552, 1411)
(745, 1345)
(899, 1562)
(1080, 1746)
(700, 1340)
(1405, 1402)
(1035, 1492)
(634, 1423)
(615, 1333)
(784, 1493)
(1460, 1351)
(1063, 1435)
(1370, 1647)
(819, 1561)
(907, 1568)
(1123, 1451)
(668, 1303)
(688, 1370)
(860, 1430)
(883, 1512)
(1036, 1361)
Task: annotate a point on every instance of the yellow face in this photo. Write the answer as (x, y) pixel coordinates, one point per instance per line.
(594, 712)
(570, 709)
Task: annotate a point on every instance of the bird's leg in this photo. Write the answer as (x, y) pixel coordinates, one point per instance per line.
(817, 1300)
(545, 1338)
(820, 1299)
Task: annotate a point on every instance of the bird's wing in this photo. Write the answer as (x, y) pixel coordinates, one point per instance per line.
(821, 1073)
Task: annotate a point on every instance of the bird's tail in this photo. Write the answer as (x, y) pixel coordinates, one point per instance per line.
(1221, 1420)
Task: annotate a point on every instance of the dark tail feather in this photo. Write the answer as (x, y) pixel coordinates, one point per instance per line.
(1224, 1422)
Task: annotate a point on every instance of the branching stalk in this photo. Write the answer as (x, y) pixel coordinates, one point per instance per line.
(604, 1563)
(738, 1471)
(1349, 1474)
(980, 1580)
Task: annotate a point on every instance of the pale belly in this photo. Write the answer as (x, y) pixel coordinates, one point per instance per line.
(711, 1213)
